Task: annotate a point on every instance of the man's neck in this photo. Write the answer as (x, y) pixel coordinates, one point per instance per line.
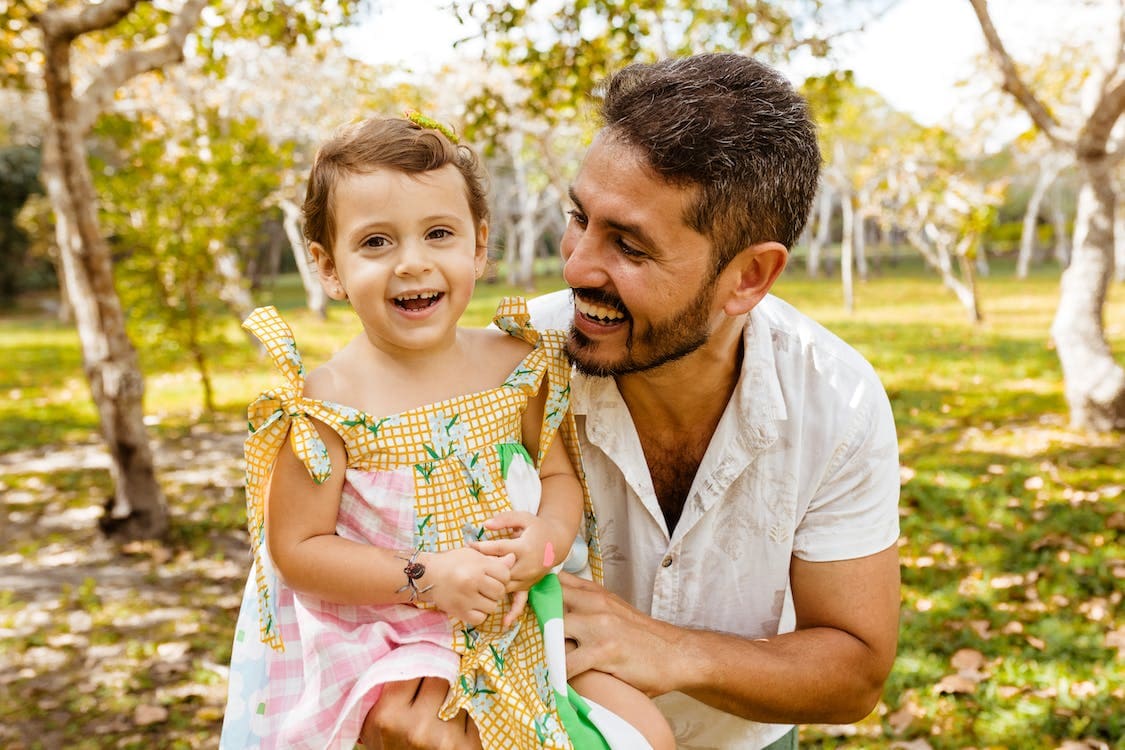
(676, 409)
(690, 391)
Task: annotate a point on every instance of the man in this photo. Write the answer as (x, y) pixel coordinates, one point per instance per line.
(742, 459)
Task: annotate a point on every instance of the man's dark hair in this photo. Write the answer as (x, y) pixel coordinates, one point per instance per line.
(730, 126)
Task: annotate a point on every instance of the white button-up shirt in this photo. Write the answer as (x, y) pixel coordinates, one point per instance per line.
(804, 462)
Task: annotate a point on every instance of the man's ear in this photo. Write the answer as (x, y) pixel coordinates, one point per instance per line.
(480, 262)
(326, 271)
(751, 275)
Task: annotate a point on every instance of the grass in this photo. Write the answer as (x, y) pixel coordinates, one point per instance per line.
(1013, 565)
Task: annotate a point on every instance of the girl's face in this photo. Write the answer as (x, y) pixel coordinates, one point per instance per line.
(407, 257)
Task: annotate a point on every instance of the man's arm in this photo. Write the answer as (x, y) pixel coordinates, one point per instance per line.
(831, 669)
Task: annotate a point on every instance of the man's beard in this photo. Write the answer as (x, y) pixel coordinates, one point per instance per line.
(677, 336)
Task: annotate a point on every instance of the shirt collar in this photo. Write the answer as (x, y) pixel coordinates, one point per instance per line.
(757, 397)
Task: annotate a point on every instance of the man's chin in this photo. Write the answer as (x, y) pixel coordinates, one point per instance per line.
(582, 353)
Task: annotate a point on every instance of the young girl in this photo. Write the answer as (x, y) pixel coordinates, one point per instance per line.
(400, 493)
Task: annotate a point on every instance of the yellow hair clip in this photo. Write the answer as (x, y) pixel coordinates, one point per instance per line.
(422, 121)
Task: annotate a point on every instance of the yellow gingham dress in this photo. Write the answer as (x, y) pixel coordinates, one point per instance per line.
(305, 672)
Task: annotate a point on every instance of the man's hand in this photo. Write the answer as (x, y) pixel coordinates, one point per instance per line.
(616, 638)
(466, 584)
(406, 718)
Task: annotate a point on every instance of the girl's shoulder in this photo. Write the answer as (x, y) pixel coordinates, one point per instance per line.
(496, 352)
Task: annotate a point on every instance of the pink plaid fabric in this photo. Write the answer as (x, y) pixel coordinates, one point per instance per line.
(338, 657)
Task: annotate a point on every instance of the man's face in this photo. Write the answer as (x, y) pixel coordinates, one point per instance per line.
(642, 279)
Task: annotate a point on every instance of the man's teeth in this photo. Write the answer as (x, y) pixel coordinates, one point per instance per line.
(598, 311)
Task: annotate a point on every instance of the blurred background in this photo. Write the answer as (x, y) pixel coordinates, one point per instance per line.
(966, 237)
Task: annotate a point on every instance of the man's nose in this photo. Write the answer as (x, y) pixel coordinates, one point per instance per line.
(583, 265)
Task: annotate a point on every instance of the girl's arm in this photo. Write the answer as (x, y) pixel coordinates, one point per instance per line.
(312, 559)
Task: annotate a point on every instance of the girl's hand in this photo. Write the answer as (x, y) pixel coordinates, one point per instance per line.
(532, 547)
(466, 584)
(532, 543)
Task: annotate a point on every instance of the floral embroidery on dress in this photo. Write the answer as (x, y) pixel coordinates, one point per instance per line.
(549, 730)
(480, 693)
(293, 356)
(426, 535)
(522, 377)
(558, 401)
(447, 435)
(507, 324)
(356, 419)
(543, 686)
(479, 475)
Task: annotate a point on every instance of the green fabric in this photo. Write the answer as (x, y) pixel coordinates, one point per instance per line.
(788, 742)
(545, 598)
(507, 452)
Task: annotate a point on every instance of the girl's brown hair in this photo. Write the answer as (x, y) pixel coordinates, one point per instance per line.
(384, 143)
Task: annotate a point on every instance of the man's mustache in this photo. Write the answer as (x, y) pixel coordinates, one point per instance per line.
(600, 297)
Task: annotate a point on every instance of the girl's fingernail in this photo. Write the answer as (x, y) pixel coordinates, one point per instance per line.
(548, 555)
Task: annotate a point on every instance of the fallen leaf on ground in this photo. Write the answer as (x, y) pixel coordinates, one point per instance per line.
(145, 715)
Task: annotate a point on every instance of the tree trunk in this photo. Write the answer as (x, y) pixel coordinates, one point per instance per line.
(969, 275)
(1062, 237)
(860, 251)
(938, 258)
(1094, 382)
(315, 298)
(1119, 246)
(847, 239)
(823, 226)
(1028, 234)
(234, 291)
(137, 508)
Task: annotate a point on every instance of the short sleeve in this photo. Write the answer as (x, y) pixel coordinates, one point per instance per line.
(854, 511)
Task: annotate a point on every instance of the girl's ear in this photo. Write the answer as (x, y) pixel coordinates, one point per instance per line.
(480, 262)
(326, 271)
(752, 274)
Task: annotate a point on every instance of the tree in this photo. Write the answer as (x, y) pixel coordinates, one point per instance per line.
(184, 205)
(113, 42)
(1094, 381)
(19, 170)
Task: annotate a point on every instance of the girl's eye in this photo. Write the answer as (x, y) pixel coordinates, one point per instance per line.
(439, 234)
(577, 217)
(374, 241)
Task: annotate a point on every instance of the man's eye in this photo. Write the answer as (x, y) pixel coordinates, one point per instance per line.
(577, 217)
(629, 251)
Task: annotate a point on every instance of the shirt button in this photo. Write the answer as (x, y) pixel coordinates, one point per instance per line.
(666, 562)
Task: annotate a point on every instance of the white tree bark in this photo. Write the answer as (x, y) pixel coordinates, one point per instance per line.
(846, 250)
(1119, 245)
(1062, 237)
(315, 298)
(819, 240)
(1048, 171)
(1094, 381)
(138, 508)
(938, 257)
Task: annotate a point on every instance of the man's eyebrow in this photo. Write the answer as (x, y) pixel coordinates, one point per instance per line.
(574, 197)
(631, 229)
